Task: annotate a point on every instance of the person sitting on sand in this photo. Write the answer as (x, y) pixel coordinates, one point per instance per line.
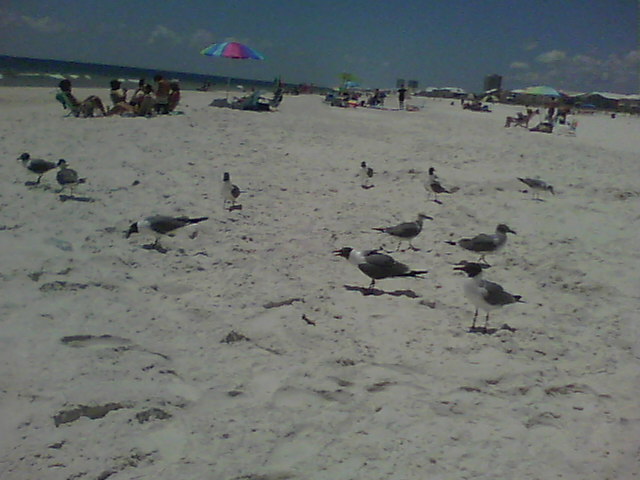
(117, 93)
(162, 94)
(174, 95)
(119, 99)
(520, 120)
(544, 127)
(138, 94)
(143, 106)
(147, 103)
(78, 108)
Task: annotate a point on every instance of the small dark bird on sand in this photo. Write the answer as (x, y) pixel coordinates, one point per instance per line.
(230, 192)
(365, 174)
(433, 184)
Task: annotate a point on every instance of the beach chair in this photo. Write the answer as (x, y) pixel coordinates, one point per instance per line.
(82, 109)
(277, 98)
(67, 104)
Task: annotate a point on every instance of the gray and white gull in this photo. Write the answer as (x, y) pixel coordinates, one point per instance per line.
(67, 177)
(536, 185)
(159, 225)
(406, 231)
(365, 175)
(230, 192)
(485, 243)
(433, 185)
(483, 294)
(36, 166)
(377, 265)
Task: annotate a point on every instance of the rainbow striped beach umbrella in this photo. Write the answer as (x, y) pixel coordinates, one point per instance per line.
(232, 50)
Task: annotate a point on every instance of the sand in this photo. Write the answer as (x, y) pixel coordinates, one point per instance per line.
(248, 351)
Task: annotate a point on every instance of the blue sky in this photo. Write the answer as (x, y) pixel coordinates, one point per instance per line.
(575, 45)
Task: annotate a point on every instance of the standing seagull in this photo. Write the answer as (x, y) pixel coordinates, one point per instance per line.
(67, 177)
(377, 265)
(406, 231)
(365, 175)
(230, 192)
(36, 165)
(537, 186)
(159, 225)
(484, 243)
(434, 185)
(484, 295)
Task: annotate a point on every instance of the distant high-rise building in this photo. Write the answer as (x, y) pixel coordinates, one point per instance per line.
(492, 82)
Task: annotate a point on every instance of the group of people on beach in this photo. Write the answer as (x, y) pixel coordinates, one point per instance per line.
(556, 115)
(353, 98)
(145, 101)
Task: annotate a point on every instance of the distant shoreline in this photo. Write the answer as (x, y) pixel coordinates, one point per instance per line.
(35, 72)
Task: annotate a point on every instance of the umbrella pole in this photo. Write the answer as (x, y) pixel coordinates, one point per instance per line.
(228, 86)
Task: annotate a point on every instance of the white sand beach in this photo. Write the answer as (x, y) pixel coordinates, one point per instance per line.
(240, 354)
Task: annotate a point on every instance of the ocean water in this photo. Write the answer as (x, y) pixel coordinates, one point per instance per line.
(33, 72)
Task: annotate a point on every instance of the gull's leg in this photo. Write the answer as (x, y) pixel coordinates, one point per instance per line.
(475, 316)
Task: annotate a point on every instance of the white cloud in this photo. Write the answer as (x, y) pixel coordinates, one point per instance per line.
(162, 33)
(201, 39)
(551, 57)
(39, 24)
(44, 24)
(530, 45)
(581, 72)
(519, 65)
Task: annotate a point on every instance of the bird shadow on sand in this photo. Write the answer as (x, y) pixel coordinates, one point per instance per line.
(366, 291)
(234, 207)
(155, 246)
(73, 198)
(490, 331)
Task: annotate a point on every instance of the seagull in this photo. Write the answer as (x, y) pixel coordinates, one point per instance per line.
(434, 185)
(229, 191)
(67, 177)
(159, 225)
(406, 231)
(485, 243)
(365, 174)
(377, 265)
(36, 165)
(537, 186)
(484, 295)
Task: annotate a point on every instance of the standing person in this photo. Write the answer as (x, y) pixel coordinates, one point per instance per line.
(162, 94)
(551, 111)
(401, 96)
